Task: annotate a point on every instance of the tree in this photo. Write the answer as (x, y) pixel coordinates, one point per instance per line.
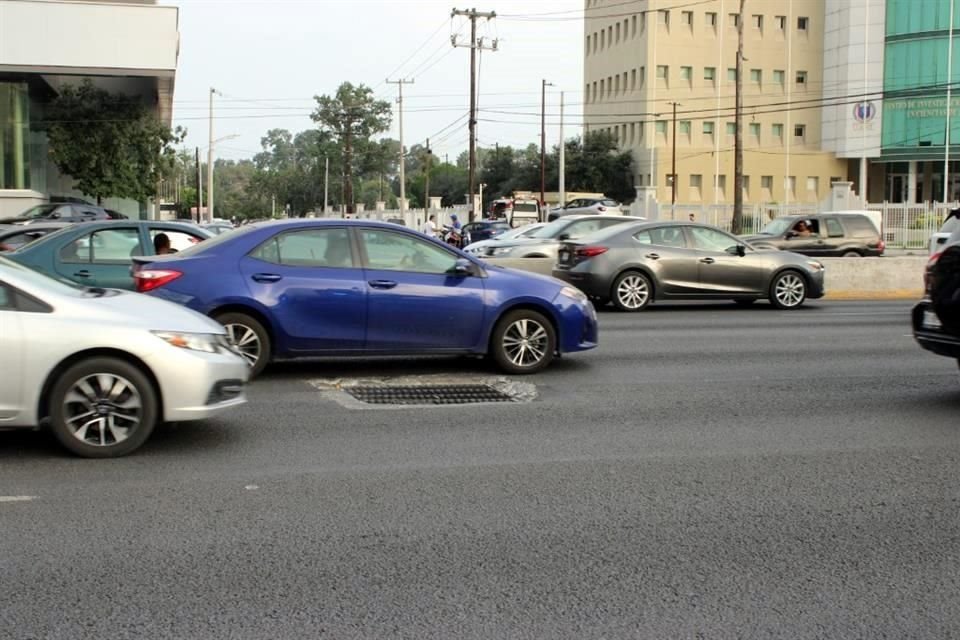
(351, 117)
(595, 164)
(111, 144)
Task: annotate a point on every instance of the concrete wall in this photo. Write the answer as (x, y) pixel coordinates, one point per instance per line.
(846, 278)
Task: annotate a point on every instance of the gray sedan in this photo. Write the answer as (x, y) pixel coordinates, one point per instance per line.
(545, 241)
(633, 266)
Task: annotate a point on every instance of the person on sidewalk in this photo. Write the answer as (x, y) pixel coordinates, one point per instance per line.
(430, 227)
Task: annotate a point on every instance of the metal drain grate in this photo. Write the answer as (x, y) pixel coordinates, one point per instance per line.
(429, 394)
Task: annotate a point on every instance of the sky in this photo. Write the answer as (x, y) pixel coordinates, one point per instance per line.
(268, 59)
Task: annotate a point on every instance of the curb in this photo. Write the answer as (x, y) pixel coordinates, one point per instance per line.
(892, 294)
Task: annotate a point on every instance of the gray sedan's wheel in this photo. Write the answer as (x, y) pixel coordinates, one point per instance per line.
(103, 408)
(788, 290)
(523, 342)
(852, 254)
(632, 291)
(249, 338)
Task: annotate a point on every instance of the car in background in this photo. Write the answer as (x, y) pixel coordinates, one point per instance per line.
(101, 368)
(950, 226)
(14, 236)
(116, 215)
(543, 242)
(100, 254)
(484, 230)
(216, 228)
(847, 235)
(936, 318)
(635, 265)
(586, 206)
(59, 212)
(307, 288)
(479, 248)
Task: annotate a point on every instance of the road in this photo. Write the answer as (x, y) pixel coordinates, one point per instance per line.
(708, 472)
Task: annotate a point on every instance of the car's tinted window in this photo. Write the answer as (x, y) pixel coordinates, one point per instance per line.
(711, 239)
(610, 203)
(860, 226)
(114, 245)
(585, 227)
(668, 237)
(401, 252)
(308, 248)
(834, 228)
(18, 240)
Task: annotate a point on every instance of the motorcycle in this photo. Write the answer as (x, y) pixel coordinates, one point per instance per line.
(454, 237)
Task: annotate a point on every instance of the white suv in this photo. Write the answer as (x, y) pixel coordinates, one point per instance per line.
(588, 206)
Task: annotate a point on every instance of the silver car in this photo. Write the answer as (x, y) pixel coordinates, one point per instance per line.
(544, 242)
(939, 240)
(480, 248)
(586, 206)
(102, 367)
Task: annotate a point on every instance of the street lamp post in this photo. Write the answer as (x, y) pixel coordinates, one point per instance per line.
(543, 140)
(210, 174)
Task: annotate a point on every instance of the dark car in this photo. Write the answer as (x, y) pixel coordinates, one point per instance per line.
(308, 288)
(100, 254)
(936, 318)
(822, 235)
(59, 212)
(14, 236)
(636, 264)
(484, 230)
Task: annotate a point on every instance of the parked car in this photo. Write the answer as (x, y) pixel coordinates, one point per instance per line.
(116, 215)
(821, 235)
(301, 288)
(950, 226)
(100, 254)
(14, 236)
(936, 318)
(543, 243)
(634, 265)
(479, 248)
(103, 367)
(216, 228)
(586, 206)
(484, 230)
(59, 212)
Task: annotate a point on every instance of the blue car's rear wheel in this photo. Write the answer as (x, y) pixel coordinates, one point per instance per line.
(523, 342)
(249, 338)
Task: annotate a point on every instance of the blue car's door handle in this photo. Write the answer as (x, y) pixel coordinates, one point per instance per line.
(383, 284)
(266, 277)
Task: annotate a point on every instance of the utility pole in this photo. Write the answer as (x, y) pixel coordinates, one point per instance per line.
(210, 163)
(563, 166)
(403, 174)
(473, 14)
(326, 184)
(673, 161)
(426, 186)
(543, 141)
(199, 188)
(736, 225)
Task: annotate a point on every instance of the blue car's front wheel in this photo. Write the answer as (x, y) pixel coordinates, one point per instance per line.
(523, 342)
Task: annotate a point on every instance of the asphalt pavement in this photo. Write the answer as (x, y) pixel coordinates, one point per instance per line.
(708, 472)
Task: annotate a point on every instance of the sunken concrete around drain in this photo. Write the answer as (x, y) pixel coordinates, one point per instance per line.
(334, 389)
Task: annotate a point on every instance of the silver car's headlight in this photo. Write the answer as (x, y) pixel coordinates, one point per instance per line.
(503, 251)
(206, 342)
(815, 265)
(575, 294)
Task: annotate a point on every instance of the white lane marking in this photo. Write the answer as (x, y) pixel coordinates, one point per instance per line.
(17, 498)
(251, 487)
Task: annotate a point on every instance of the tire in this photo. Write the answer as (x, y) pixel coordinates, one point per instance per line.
(515, 334)
(250, 338)
(744, 302)
(103, 408)
(631, 291)
(852, 254)
(788, 290)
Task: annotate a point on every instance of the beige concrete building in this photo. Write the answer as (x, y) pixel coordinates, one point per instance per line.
(642, 57)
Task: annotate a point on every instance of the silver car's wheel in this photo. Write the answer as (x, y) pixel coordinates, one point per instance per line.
(632, 291)
(788, 290)
(103, 407)
(523, 342)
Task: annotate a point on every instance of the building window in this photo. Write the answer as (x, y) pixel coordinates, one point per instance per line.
(633, 26)
(800, 131)
(710, 74)
(643, 75)
(633, 80)
(603, 39)
(791, 185)
(708, 128)
(813, 184)
(801, 79)
(618, 32)
(732, 74)
(733, 19)
(662, 72)
(756, 75)
(779, 76)
(711, 19)
(686, 73)
(766, 185)
(662, 127)
(643, 22)
(722, 186)
(731, 128)
(684, 127)
(603, 93)
(15, 136)
(696, 186)
(757, 21)
(746, 187)
(803, 23)
(616, 85)
(755, 130)
(633, 132)
(624, 81)
(777, 131)
(663, 17)
(686, 17)
(781, 22)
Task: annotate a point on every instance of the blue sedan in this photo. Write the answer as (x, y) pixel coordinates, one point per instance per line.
(307, 288)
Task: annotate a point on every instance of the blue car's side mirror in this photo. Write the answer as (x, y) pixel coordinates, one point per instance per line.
(462, 268)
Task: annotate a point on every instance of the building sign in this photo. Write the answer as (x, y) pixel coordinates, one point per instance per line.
(864, 112)
(913, 108)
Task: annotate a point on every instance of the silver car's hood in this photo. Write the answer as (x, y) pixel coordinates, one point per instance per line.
(521, 242)
(136, 310)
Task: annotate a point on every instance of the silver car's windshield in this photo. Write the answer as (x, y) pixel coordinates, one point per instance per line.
(41, 280)
(952, 225)
(551, 229)
(777, 227)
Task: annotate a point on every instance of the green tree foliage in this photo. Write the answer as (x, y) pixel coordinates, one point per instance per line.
(351, 117)
(111, 144)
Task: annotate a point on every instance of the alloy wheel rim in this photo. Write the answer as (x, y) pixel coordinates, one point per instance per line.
(245, 341)
(633, 292)
(102, 409)
(525, 342)
(790, 290)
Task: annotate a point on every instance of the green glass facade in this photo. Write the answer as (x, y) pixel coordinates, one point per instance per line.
(15, 136)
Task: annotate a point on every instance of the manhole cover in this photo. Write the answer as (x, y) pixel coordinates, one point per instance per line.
(428, 394)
